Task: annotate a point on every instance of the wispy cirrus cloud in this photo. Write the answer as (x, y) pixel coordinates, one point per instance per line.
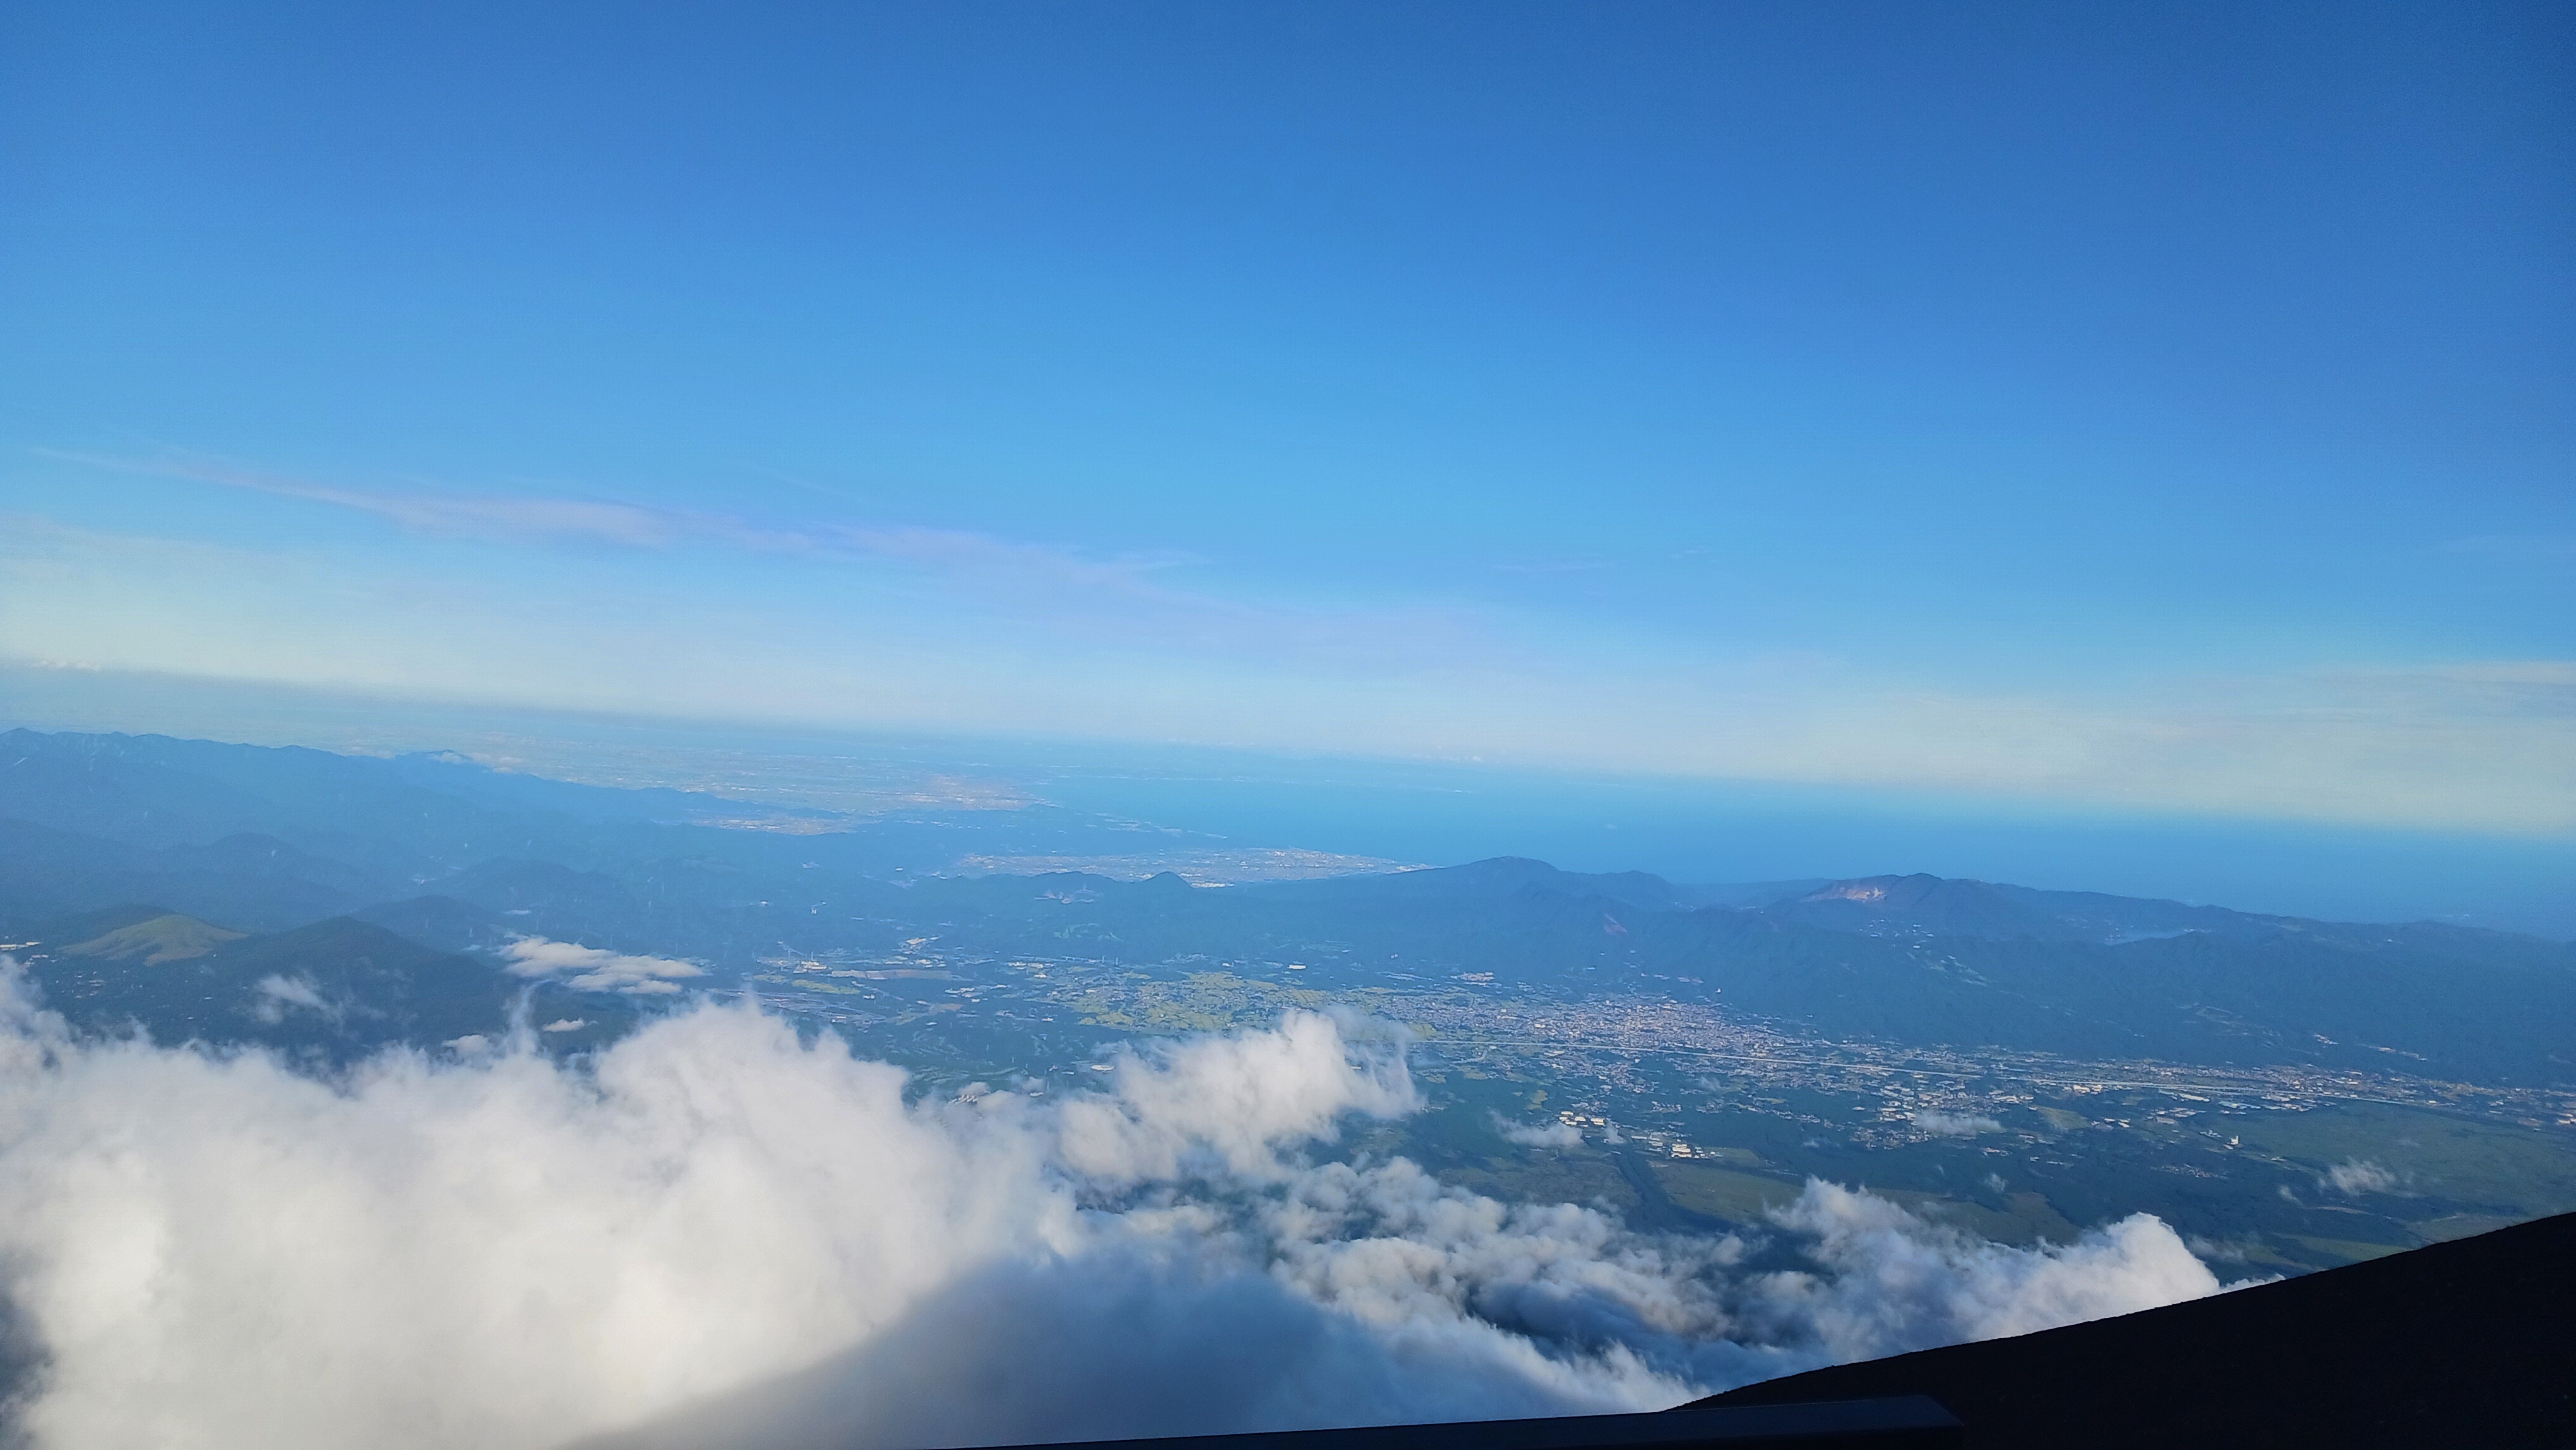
(1122, 597)
(845, 622)
(497, 518)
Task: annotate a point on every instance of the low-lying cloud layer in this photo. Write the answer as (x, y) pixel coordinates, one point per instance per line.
(596, 969)
(719, 1233)
(2357, 1176)
(1538, 1135)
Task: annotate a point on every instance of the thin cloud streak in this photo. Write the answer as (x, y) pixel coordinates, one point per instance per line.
(2466, 745)
(1052, 586)
(490, 518)
(952, 631)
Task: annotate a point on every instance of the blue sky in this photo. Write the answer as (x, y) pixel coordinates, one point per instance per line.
(2113, 409)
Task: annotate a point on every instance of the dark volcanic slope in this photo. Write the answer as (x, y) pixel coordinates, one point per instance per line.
(2466, 1343)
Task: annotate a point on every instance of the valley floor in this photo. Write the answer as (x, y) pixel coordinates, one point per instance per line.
(1686, 1117)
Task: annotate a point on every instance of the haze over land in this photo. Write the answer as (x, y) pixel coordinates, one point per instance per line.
(1409, 812)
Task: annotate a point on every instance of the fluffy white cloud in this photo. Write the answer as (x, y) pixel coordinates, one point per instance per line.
(718, 1233)
(596, 969)
(1229, 1103)
(1955, 1125)
(2355, 1175)
(1538, 1135)
(277, 995)
(1891, 1282)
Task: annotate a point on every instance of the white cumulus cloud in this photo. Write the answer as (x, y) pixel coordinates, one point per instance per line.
(596, 969)
(715, 1232)
(2355, 1175)
(1891, 1282)
(278, 994)
(1955, 1125)
(1538, 1135)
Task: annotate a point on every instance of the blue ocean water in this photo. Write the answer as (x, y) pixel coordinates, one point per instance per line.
(1432, 813)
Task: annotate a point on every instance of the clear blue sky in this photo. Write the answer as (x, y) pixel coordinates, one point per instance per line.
(2111, 408)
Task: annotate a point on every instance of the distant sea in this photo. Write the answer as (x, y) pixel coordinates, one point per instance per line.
(1438, 812)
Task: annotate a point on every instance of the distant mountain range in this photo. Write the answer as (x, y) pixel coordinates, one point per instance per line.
(167, 880)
